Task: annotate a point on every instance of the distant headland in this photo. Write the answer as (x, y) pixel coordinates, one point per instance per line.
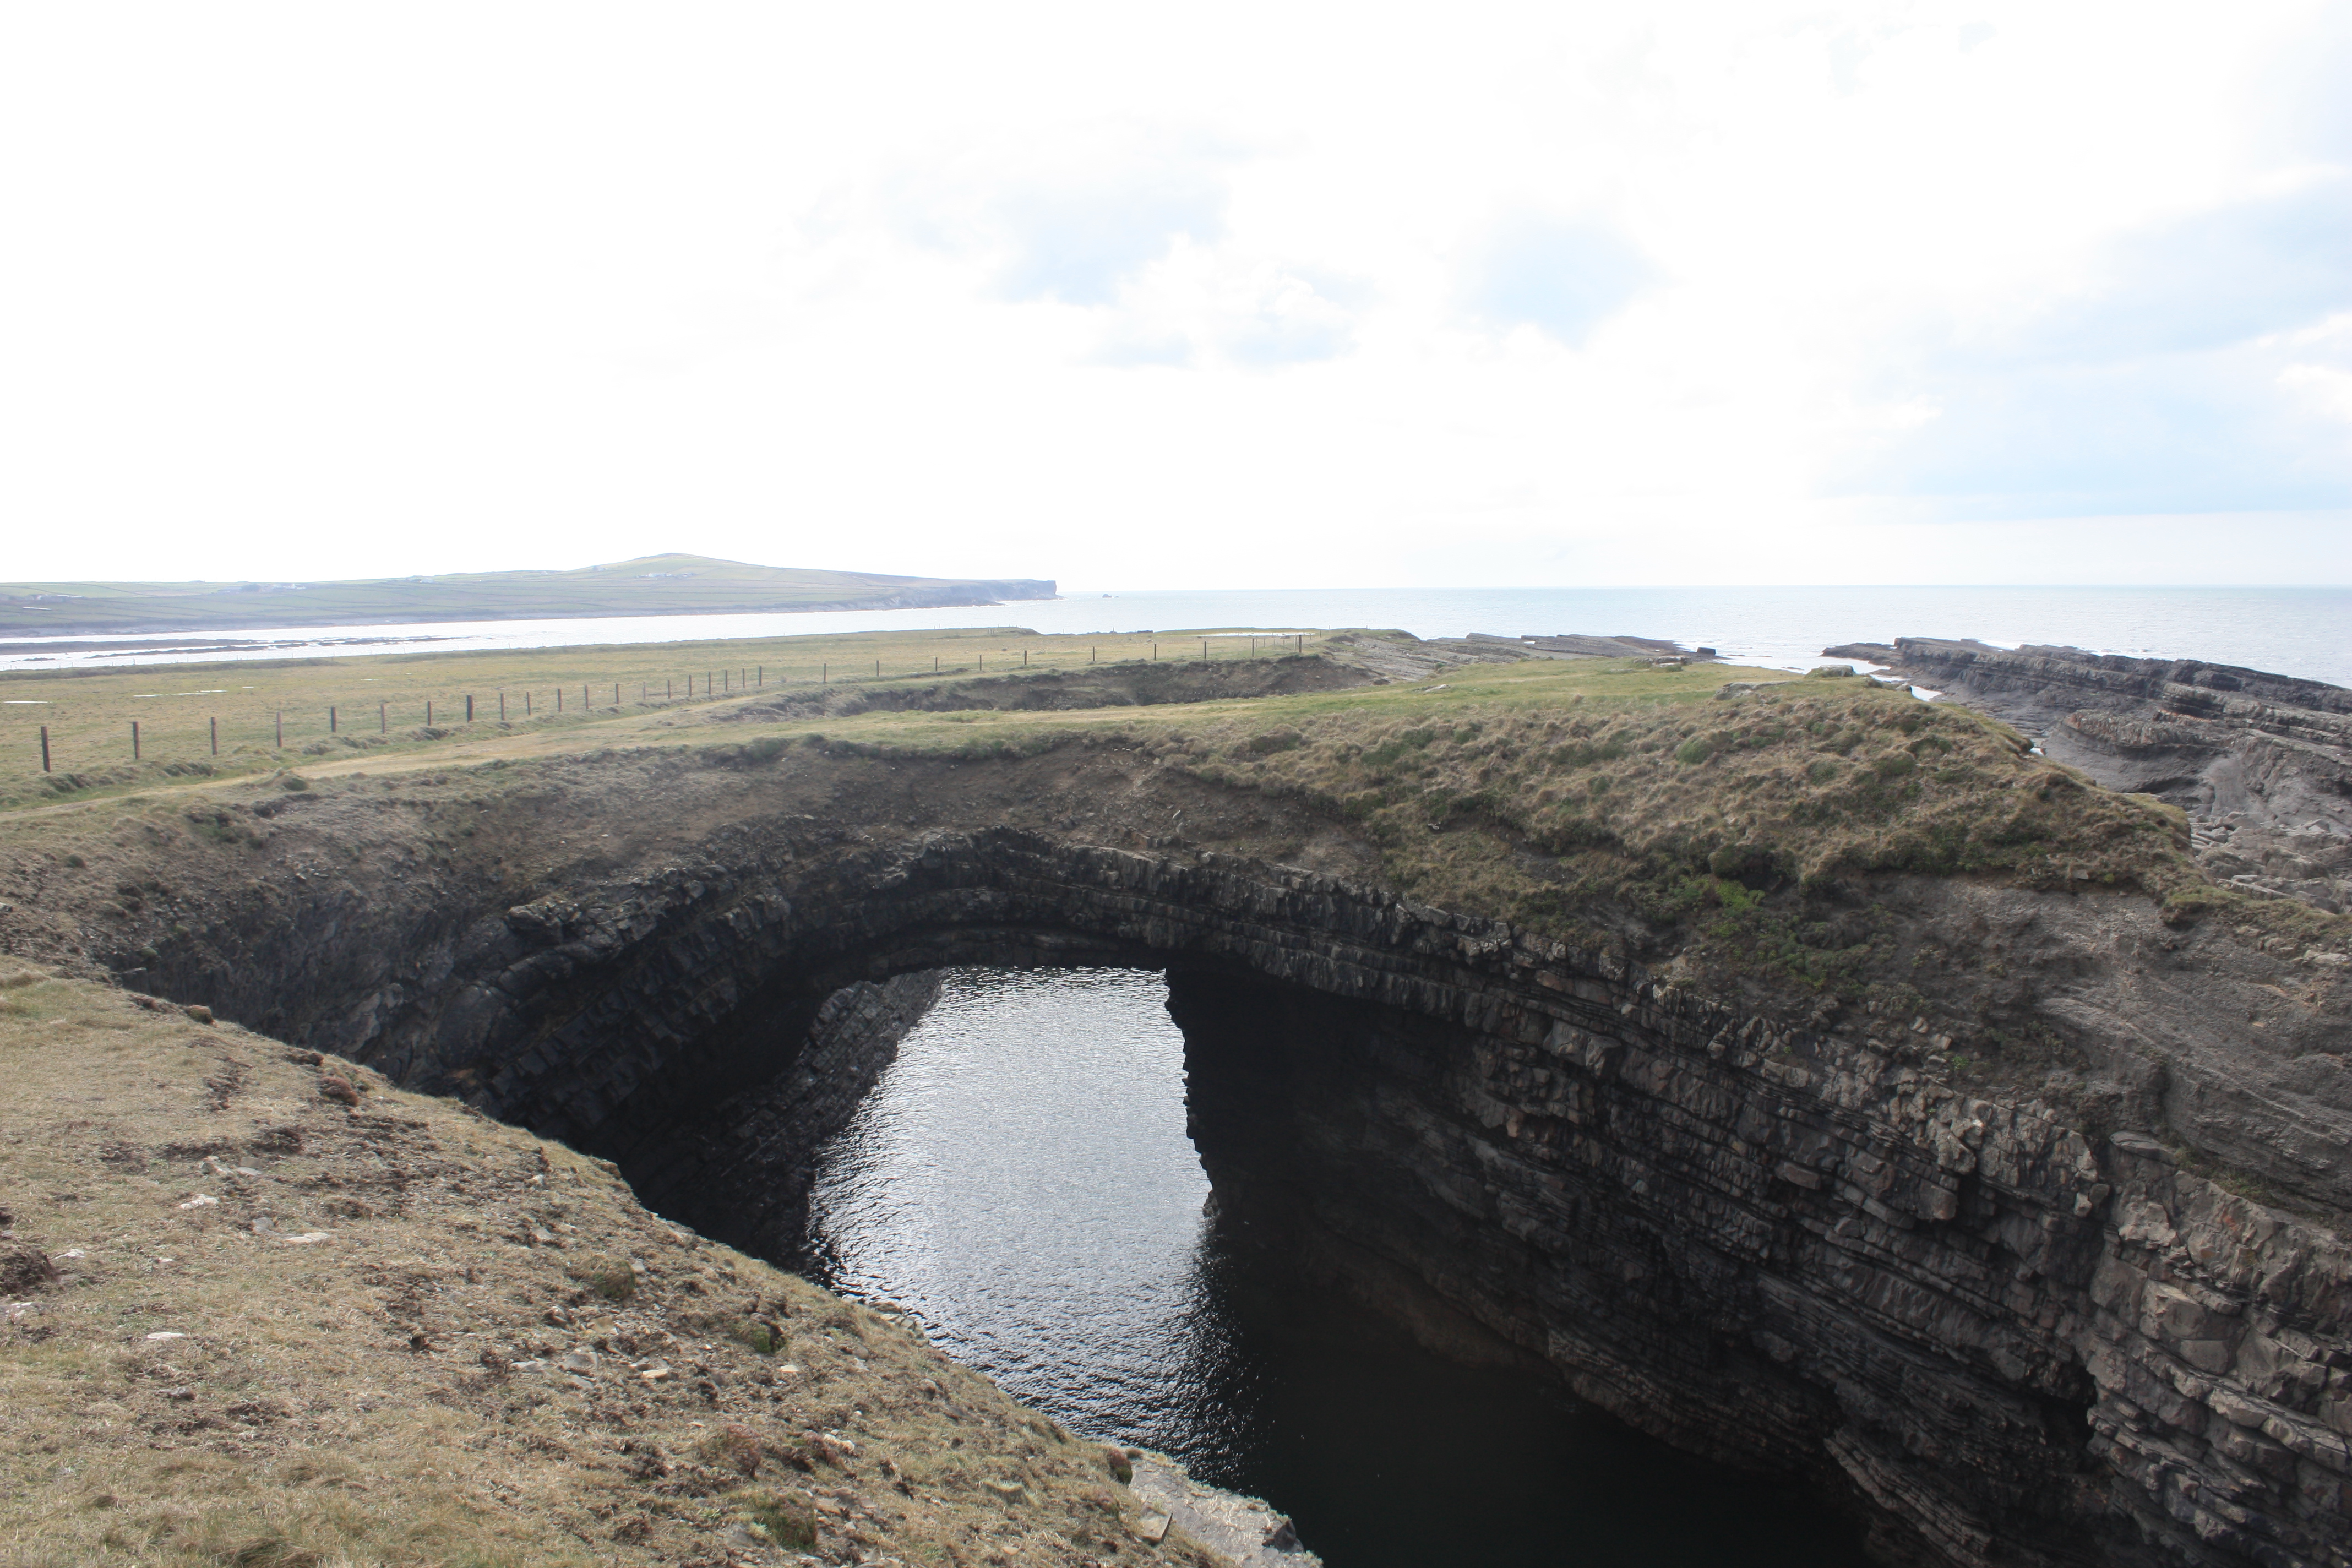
(672, 584)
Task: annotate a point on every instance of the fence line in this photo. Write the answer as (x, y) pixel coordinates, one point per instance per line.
(715, 683)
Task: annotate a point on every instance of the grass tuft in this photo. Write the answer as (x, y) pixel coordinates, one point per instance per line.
(610, 1278)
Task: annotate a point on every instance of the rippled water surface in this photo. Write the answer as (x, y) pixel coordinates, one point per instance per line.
(1022, 1180)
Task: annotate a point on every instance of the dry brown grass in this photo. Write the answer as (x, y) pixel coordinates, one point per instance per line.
(1537, 792)
(1573, 798)
(369, 1397)
(1797, 782)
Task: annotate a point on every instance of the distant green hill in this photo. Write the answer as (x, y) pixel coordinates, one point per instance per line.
(650, 585)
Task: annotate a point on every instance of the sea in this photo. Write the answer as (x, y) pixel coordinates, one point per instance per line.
(2288, 630)
(1022, 1184)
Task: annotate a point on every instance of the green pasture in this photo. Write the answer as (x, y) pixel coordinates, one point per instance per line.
(270, 713)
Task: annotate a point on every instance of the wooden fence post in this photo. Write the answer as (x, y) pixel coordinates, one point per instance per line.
(334, 728)
(586, 701)
(216, 737)
(617, 697)
(877, 669)
(469, 708)
(502, 706)
(134, 739)
(44, 748)
(383, 718)
(281, 729)
(428, 712)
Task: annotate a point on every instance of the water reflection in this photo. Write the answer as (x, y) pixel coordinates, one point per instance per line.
(1022, 1182)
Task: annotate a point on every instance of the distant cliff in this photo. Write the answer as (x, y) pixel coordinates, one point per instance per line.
(671, 584)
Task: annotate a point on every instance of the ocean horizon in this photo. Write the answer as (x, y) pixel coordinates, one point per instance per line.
(2304, 631)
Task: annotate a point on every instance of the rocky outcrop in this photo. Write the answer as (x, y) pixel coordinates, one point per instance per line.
(2021, 1331)
(2074, 677)
(2261, 762)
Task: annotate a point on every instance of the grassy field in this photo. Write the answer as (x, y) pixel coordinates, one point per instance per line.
(651, 585)
(275, 713)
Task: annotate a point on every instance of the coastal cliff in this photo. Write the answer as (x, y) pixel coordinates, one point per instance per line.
(2083, 1305)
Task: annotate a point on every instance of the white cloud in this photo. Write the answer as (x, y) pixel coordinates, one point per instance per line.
(1563, 278)
(1258, 294)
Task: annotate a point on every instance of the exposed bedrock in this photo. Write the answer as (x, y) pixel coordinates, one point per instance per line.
(2022, 1347)
(2020, 1341)
(2261, 762)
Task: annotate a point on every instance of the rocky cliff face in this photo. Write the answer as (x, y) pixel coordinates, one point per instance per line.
(2018, 1343)
(2017, 1335)
(742, 1170)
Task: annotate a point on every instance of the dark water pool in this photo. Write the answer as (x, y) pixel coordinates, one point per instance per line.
(1022, 1181)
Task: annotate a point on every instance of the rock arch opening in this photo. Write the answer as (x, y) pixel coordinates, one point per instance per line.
(1764, 1243)
(1026, 1179)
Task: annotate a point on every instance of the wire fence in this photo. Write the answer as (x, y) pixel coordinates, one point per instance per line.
(318, 724)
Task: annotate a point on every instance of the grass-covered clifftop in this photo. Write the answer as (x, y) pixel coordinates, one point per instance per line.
(1554, 793)
(1718, 810)
(1645, 784)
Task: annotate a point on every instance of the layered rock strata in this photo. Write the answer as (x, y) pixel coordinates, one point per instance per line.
(2020, 1345)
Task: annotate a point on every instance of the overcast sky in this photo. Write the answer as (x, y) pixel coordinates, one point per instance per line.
(1209, 295)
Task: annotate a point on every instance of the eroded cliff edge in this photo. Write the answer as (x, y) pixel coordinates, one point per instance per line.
(1768, 1226)
(2261, 762)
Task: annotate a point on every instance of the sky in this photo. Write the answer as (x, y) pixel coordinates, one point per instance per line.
(1263, 295)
